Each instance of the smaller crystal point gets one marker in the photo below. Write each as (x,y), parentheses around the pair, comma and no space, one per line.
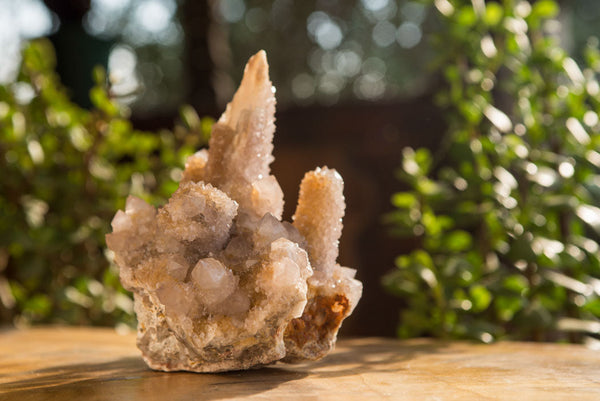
(195,165)
(219,281)
(319,214)
(333,291)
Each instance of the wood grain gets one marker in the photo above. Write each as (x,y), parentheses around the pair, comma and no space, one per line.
(99,364)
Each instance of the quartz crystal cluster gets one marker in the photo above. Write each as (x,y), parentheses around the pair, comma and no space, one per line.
(219,281)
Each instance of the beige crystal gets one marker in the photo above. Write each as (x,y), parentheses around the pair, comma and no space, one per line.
(219,281)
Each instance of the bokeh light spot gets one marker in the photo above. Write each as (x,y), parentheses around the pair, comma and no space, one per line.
(384,33)
(256,19)
(232,10)
(408,35)
(348,62)
(154,15)
(413,12)
(303,86)
(122,63)
(374,5)
(326,32)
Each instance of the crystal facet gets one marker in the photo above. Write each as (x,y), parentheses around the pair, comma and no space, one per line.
(219,281)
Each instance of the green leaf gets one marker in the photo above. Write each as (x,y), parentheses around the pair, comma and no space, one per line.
(38,305)
(493,14)
(592,306)
(480,297)
(416,163)
(507,307)
(428,187)
(190,117)
(544,9)
(100,99)
(457,241)
(206,124)
(404,200)
(466,17)
(515,283)
(99,75)
(423,258)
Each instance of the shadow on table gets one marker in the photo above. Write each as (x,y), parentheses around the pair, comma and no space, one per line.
(372,355)
(130,379)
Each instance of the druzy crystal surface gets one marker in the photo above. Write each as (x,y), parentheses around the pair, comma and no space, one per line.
(219,281)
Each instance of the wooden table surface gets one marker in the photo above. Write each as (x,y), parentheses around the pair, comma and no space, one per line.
(99,364)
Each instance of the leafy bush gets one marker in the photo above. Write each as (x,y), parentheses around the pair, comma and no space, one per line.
(505,213)
(65,171)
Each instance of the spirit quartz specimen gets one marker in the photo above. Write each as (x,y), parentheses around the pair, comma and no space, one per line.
(219,281)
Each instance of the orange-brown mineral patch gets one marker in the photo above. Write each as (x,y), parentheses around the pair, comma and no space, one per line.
(322,316)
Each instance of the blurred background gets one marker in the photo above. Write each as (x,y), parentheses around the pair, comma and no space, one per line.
(356,84)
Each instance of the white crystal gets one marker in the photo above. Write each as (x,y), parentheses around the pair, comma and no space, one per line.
(267,197)
(214,281)
(135,206)
(176,270)
(176,297)
(268,230)
(121,222)
(235,304)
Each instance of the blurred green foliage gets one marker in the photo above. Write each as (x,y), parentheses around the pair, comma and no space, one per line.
(65,171)
(506,214)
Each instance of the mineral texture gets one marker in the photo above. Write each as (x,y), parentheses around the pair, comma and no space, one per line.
(219,281)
